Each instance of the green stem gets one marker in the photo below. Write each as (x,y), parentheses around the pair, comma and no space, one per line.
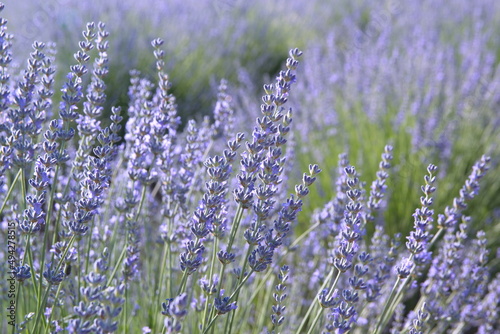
(388,307)
(243,267)
(320,312)
(183,283)
(30,261)
(56,228)
(381,322)
(267,299)
(166,254)
(235,292)
(185,275)
(124,250)
(211,272)
(51,313)
(234,227)
(19,288)
(385,315)
(302,236)
(115,269)
(47,221)
(23,188)
(169,271)
(435,238)
(159,284)
(39,311)
(10,191)
(54,187)
(49,285)
(89,245)
(254,295)
(109,199)
(79,266)
(125,309)
(313,304)
(232,235)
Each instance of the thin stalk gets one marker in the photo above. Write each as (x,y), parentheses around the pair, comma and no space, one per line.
(23,188)
(212,321)
(53,189)
(166,254)
(385,315)
(313,304)
(195,278)
(185,275)
(188,195)
(80,269)
(30,261)
(302,236)
(10,191)
(382,318)
(243,267)
(89,245)
(125,309)
(282,255)
(112,185)
(47,222)
(124,250)
(49,285)
(237,290)
(439,328)
(110,194)
(267,297)
(405,283)
(259,287)
(115,269)
(435,238)
(183,283)
(50,316)
(159,285)
(169,272)
(254,295)
(19,286)
(39,311)
(211,272)
(234,227)
(320,312)
(56,229)
(113,238)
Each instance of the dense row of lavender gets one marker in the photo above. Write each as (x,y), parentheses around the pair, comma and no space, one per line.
(193,230)
(228,34)
(423,76)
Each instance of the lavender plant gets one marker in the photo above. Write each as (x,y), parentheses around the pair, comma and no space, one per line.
(421,76)
(193,230)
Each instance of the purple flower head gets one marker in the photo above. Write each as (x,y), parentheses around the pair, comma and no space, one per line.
(53,276)
(405,268)
(223,305)
(176,307)
(22,273)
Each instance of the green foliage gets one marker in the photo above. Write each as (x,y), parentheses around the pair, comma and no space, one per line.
(364,141)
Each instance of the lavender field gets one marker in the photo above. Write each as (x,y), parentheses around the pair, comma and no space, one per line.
(250,167)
